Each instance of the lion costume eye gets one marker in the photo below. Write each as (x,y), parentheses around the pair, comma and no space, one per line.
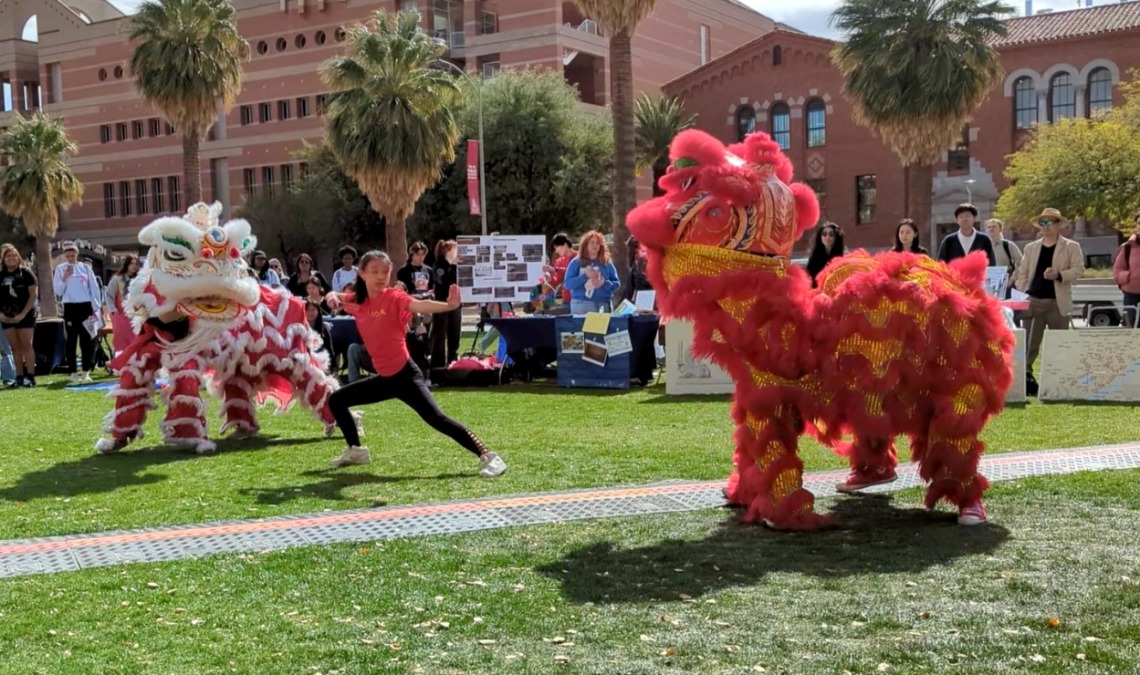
(173,256)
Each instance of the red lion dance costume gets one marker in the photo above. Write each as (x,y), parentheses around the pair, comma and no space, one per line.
(255,341)
(887,345)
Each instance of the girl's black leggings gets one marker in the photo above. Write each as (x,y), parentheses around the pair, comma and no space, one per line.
(409,386)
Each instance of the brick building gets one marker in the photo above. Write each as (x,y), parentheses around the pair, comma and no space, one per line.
(1059,64)
(130,160)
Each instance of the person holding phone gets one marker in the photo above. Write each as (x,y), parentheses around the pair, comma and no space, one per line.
(78,289)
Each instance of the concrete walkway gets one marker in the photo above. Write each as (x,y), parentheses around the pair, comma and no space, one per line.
(160,544)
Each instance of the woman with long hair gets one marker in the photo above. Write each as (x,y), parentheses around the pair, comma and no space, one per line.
(447,326)
(299,280)
(382,313)
(906,238)
(115,297)
(591,277)
(828,244)
(18,288)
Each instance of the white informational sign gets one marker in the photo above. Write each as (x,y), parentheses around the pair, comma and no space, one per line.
(1016,392)
(1090,364)
(502,268)
(685,374)
(997,279)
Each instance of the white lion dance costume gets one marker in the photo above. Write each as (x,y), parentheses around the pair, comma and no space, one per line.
(197,311)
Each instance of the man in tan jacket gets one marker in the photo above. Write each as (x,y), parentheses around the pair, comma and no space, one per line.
(1048,268)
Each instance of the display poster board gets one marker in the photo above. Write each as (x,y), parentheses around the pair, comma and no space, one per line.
(997,281)
(1016,393)
(1090,364)
(685,374)
(502,268)
(594,351)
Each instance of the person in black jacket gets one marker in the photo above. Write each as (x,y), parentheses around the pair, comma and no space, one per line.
(445,326)
(967,239)
(828,245)
(638,275)
(906,238)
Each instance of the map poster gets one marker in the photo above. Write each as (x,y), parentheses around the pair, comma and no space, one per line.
(685,374)
(1016,393)
(1090,364)
(502,268)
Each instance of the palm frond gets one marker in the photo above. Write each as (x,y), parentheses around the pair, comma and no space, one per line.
(616,15)
(658,121)
(36,179)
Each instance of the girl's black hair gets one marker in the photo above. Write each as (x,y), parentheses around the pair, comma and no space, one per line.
(915,247)
(360,289)
(259,274)
(820,255)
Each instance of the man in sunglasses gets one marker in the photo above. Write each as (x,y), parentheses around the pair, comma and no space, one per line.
(1049,266)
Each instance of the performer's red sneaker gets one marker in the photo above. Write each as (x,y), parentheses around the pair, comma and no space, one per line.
(973,514)
(858,480)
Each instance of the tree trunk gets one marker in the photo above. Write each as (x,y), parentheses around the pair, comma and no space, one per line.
(396,241)
(48,307)
(920,186)
(625,148)
(659,170)
(191,169)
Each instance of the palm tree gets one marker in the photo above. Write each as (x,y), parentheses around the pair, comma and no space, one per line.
(187,65)
(35,183)
(915,70)
(391,121)
(620,19)
(658,121)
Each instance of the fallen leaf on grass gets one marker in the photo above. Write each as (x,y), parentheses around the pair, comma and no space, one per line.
(732,649)
(884,667)
(1092,639)
(858,624)
(1054,622)
(486,643)
(558,640)
(668,651)
(1080,657)
(1037,658)
(561,658)
(646,638)
(151,584)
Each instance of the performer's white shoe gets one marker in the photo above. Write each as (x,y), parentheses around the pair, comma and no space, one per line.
(493,465)
(352,455)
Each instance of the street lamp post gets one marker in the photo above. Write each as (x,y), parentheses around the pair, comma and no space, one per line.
(969,195)
(482,164)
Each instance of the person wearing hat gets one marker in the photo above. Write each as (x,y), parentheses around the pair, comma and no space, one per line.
(1049,266)
(967,239)
(77,287)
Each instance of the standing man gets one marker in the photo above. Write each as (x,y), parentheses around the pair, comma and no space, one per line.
(78,288)
(966,239)
(1050,266)
(1005,251)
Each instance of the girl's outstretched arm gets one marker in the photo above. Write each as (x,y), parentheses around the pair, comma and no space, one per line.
(434,306)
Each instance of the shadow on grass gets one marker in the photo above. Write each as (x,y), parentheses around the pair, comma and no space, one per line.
(95,473)
(871,538)
(662,397)
(333,485)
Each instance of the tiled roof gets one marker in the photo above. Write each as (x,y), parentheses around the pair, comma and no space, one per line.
(1071,23)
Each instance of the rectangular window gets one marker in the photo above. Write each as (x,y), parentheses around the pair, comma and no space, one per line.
(287,176)
(706,47)
(816,123)
(121,131)
(488,23)
(169,129)
(109,200)
(264,112)
(156,188)
(55,83)
(246,115)
(155,127)
(303,169)
(136,129)
(491,69)
(175,194)
(267,178)
(125,197)
(141,202)
(249,180)
(322,103)
(105,133)
(302,107)
(819,187)
(865,189)
(283,110)
(958,159)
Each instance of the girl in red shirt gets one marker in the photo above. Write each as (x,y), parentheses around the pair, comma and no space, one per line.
(382,314)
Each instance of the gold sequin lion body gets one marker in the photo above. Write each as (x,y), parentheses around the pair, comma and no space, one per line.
(887,345)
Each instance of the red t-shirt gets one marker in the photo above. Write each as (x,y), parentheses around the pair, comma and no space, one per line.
(382,322)
(560,266)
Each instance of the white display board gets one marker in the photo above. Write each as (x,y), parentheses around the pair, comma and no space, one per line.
(1090,364)
(685,374)
(1016,392)
(502,268)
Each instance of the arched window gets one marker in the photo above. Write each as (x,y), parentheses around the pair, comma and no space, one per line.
(816,123)
(745,121)
(1100,91)
(782,125)
(1062,97)
(1024,102)
(777,55)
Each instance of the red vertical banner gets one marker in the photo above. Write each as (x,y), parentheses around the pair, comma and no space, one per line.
(473,178)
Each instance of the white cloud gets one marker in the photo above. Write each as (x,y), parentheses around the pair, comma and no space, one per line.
(810,16)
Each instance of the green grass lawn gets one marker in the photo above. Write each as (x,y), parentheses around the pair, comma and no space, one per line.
(51,482)
(1052,585)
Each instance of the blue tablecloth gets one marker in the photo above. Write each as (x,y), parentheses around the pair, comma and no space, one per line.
(344,333)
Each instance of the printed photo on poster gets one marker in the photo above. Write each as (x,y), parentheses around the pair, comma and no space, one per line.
(503,267)
(483,292)
(517,272)
(573,343)
(595,352)
(619,343)
(465,277)
(533,253)
(504,292)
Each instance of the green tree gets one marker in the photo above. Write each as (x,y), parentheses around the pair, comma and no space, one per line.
(35,183)
(548,162)
(187,65)
(620,19)
(914,71)
(391,121)
(659,120)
